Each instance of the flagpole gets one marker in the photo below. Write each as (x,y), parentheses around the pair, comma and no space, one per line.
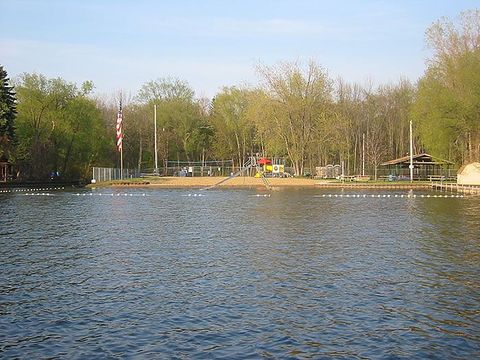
(119,128)
(411,153)
(121,163)
(155,125)
(363,154)
(121,148)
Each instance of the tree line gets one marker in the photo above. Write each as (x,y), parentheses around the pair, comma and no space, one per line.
(297,112)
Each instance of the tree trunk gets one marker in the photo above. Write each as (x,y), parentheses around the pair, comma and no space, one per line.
(185,147)
(70,146)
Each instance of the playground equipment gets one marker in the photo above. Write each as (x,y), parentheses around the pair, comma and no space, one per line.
(271,169)
(250,163)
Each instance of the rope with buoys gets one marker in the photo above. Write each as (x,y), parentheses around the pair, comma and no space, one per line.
(28,190)
(388,196)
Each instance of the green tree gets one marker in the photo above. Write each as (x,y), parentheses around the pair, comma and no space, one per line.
(59,128)
(138,133)
(234,129)
(345,135)
(41,112)
(396,103)
(299,104)
(376,114)
(84,140)
(165,89)
(181,121)
(447,110)
(381,114)
(8,113)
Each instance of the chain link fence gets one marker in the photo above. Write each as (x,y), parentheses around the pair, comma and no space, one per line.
(101,174)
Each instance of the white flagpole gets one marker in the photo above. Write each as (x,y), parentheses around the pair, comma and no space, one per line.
(363,154)
(120,135)
(121,163)
(156,152)
(121,148)
(411,153)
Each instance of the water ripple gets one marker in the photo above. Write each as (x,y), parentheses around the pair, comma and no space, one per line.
(234,275)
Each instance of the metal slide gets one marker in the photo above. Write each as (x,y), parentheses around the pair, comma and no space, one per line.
(251,162)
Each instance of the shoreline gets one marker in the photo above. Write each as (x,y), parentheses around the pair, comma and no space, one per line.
(251,182)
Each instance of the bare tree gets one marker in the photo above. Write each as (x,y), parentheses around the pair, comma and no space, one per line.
(299,99)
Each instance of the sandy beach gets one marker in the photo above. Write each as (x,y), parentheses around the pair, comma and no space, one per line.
(251,182)
(204,182)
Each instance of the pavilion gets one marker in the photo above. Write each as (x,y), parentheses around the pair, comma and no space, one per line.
(425,167)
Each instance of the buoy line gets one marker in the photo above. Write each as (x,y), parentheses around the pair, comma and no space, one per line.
(110,194)
(84,194)
(29,190)
(194,195)
(388,196)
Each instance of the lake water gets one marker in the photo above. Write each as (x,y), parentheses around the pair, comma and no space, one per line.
(142,273)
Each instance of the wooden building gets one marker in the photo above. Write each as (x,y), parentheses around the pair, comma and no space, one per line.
(425,167)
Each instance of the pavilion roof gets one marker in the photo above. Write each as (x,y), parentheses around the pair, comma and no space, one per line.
(423,159)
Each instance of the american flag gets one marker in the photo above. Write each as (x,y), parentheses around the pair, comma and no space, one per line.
(119,129)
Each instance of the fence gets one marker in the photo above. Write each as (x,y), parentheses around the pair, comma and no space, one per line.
(334,171)
(199,170)
(100,174)
(418,173)
(193,171)
(193,168)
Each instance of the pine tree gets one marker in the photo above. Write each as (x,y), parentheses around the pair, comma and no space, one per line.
(8,113)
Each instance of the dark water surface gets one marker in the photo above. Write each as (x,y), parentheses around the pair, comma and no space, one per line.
(170,274)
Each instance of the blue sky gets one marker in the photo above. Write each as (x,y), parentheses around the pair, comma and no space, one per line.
(120,45)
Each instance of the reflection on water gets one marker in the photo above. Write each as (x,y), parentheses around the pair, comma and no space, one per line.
(234,275)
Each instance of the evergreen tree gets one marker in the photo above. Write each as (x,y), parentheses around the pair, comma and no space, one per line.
(8,113)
